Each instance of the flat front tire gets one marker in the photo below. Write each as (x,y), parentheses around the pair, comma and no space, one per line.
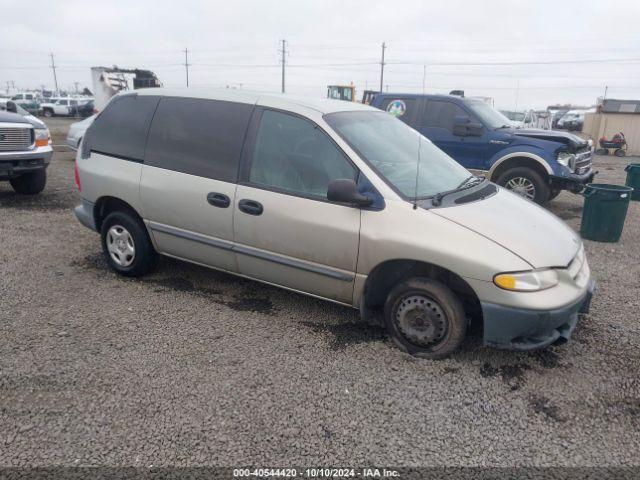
(126,244)
(30,183)
(425,318)
(527,183)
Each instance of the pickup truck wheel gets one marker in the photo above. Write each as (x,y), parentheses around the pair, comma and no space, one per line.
(425,318)
(30,183)
(126,245)
(47,112)
(526,182)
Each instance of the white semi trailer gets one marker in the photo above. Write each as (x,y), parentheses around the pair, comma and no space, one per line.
(108,81)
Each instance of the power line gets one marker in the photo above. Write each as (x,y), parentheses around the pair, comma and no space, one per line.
(549,62)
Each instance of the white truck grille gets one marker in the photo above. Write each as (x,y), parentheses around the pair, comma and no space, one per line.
(15,138)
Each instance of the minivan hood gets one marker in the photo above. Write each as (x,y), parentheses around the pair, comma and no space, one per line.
(522,227)
(574,142)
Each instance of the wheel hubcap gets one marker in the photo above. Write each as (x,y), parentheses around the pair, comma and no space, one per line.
(522,186)
(421,320)
(120,246)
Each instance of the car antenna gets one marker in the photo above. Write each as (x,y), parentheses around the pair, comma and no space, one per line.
(415,196)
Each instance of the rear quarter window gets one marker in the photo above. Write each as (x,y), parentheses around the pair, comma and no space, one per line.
(406,109)
(121,129)
(198,137)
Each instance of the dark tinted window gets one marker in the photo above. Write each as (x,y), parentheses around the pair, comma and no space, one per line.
(121,129)
(440,114)
(293,154)
(403,108)
(199,137)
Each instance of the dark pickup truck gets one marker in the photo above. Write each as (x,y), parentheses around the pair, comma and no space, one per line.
(537,164)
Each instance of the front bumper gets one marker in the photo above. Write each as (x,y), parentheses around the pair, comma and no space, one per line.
(523,329)
(72,143)
(16,163)
(573,182)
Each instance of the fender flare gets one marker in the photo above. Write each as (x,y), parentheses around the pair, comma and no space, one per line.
(537,158)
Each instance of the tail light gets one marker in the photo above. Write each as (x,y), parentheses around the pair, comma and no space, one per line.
(76,175)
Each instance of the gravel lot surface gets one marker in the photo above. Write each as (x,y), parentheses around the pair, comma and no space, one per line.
(191,367)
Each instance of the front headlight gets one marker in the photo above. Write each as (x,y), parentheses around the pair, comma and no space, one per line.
(42,137)
(530,281)
(567,159)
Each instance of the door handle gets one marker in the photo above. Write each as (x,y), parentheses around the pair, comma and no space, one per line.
(250,206)
(218,200)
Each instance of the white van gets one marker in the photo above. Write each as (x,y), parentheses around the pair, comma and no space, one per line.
(333,199)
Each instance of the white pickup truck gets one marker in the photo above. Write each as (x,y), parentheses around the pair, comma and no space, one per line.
(62,106)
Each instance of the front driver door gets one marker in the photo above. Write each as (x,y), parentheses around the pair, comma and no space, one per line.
(437,122)
(286,231)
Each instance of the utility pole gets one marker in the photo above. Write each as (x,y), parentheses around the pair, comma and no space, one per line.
(186,64)
(75,84)
(424,77)
(606,87)
(55,77)
(283,52)
(517,94)
(384,46)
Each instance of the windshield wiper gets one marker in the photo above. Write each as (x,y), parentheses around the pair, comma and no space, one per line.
(464,185)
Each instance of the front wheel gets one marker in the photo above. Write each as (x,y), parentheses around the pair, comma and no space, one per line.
(425,318)
(126,245)
(525,182)
(30,183)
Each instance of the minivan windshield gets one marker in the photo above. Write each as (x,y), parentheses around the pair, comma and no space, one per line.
(490,116)
(391,147)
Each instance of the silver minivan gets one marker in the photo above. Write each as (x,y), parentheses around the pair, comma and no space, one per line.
(332,199)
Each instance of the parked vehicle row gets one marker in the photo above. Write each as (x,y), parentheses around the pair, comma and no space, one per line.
(67,107)
(537,164)
(573,120)
(337,200)
(55,106)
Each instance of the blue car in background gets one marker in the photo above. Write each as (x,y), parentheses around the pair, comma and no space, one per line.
(537,164)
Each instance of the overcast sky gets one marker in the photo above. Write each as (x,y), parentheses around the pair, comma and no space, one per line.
(458,44)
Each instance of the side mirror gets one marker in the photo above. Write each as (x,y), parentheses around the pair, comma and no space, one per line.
(345,190)
(474,129)
(464,127)
(11,107)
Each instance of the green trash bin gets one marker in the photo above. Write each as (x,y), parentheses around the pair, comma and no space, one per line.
(605,208)
(633,179)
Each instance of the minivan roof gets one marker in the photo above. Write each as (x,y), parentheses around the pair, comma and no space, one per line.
(275,100)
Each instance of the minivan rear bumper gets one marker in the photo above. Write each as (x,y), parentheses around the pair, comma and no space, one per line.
(522,329)
(84,214)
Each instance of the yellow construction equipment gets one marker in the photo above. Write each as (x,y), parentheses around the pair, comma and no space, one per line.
(342,92)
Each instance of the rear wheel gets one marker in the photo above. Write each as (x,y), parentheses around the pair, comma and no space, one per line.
(47,112)
(30,183)
(525,182)
(126,244)
(425,318)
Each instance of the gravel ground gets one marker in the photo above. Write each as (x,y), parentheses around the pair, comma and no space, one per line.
(192,367)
